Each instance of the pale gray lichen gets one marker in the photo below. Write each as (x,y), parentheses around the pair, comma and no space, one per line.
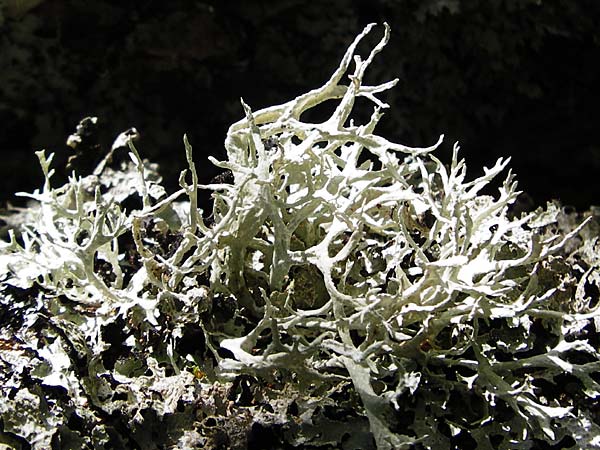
(342,272)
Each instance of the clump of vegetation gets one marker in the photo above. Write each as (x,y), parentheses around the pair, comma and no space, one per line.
(345,292)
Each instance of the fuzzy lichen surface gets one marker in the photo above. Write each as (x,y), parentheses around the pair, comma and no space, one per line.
(337,268)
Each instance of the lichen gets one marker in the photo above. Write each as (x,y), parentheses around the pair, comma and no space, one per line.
(343,282)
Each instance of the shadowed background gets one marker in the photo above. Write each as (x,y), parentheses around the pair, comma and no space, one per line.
(512,78)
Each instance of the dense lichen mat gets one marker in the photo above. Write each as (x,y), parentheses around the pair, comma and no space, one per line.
(344,292)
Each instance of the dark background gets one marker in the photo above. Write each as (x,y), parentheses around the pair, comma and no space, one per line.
(517,78)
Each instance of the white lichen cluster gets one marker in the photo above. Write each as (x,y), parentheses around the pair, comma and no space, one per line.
(336,260)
